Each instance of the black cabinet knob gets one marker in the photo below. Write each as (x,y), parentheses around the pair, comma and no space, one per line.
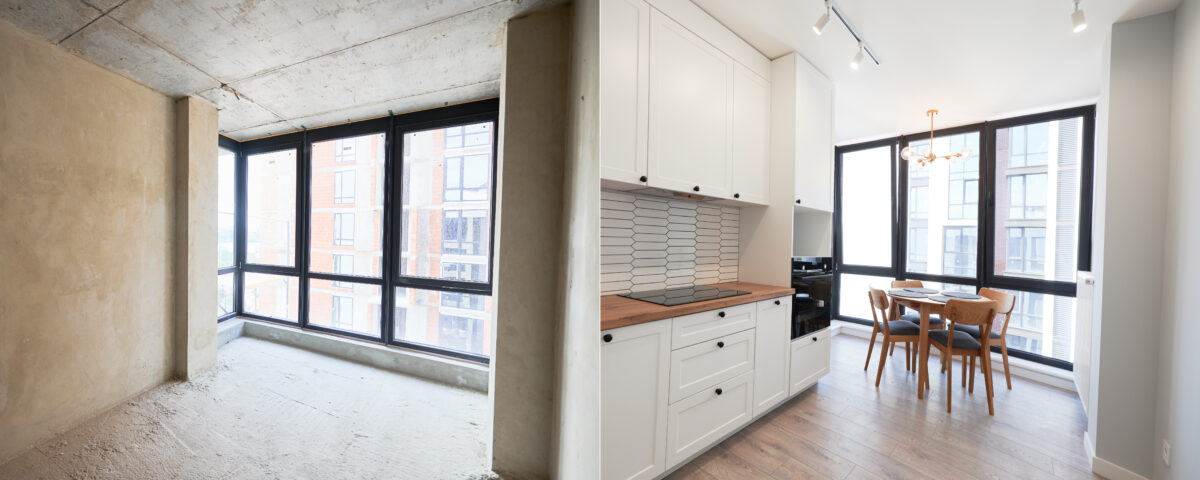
(777,302)
(814,339)
(696,188)
(721,314)
(607,337)
(797,202)
(720,344)
(737,195)
(719,391)
(642,179)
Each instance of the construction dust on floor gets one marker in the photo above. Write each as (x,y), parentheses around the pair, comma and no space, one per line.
(272,411)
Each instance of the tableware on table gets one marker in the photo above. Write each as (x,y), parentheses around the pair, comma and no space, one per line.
(900,292)
(921,290)
(962,295)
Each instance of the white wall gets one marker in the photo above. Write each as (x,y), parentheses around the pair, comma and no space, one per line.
(1132,161)
(1177,418)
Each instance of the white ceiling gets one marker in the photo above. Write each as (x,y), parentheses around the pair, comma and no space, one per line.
(274,66)
(972,59)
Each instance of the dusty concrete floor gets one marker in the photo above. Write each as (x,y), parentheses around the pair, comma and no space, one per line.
(272,411)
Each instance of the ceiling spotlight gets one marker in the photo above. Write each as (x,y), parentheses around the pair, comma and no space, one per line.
(857,57)
(820,25)
(1077,19)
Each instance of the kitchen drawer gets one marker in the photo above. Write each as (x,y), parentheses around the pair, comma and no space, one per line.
(698,421)
(704,365)
(695,328)
(810,360)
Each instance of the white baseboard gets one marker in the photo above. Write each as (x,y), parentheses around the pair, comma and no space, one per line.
(1112,471)
(1034,372)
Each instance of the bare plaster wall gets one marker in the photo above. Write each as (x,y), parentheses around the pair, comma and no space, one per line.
(86,199)
(533,118)
(195,338)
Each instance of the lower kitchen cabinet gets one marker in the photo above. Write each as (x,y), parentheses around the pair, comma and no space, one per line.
(698,421)
(634,373)
(810,360)
(772,348)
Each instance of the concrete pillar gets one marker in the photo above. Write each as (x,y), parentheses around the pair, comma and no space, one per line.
(195,225)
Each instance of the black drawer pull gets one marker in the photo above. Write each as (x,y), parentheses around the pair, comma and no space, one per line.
(777,302)
(720,344)
(814,339)
(607,337)
(721,314)
(642,179)
(696,188)
(737,195)
(718,391)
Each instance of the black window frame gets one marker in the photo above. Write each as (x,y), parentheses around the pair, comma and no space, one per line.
(390,278)
(986,230)
(239,213)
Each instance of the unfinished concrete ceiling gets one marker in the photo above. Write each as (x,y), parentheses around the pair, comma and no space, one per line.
(273,66)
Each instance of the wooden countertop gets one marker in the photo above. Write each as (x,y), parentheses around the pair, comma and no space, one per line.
(617,311)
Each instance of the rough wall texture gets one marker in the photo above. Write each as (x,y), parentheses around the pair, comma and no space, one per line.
(533,115)
(195,337)
(86,199)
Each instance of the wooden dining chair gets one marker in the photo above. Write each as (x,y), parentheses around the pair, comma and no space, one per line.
(894,331)
(1004,306)
(954,342)
(914,317)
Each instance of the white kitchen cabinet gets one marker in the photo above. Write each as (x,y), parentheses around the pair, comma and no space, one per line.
(810,360)
(751,169)
(814,137)
(634,373)
(772,349)
(708,325)
(698,421)
(624,81)
(700,366)
(691,108)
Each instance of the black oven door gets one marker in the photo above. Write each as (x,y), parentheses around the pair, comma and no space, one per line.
(811,304)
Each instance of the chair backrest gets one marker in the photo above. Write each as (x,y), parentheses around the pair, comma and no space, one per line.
(1004,304)
(879,309)
(971,312)
(907,284)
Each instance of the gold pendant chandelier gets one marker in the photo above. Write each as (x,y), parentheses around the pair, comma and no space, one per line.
(927,158)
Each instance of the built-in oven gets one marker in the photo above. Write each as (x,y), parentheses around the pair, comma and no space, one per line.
(812,280)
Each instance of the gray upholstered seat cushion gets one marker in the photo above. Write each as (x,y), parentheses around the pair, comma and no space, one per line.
(962,340)
(903,327)
(916,318)
(973,330)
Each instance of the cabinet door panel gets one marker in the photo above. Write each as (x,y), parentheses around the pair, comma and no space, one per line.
(624,87)
(634,371)
(751,167)
(814,138)
(772,348)
(810,360)
(706,364)
(700,420)
(708,325)
(691,103)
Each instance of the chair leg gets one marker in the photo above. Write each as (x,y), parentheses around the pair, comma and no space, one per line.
(883,354)
(870,349)
(949,378)
(964,369)
(971,389)
(907,358)
(892,350)
(1004,354)
(987,381)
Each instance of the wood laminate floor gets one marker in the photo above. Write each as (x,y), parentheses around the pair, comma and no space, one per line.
(845,428)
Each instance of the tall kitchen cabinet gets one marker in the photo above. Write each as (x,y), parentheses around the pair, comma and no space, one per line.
(684,103)
(804,112)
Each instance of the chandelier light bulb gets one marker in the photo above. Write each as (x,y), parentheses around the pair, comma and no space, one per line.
(1077,19)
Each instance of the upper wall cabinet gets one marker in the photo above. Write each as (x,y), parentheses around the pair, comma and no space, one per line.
(814,138)
(624,80)
(691,111)
(684,103)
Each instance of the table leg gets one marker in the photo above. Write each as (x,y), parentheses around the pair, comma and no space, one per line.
(923,347)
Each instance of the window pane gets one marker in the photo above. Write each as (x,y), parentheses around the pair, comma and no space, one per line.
(447,211)
(224,294)
(274,296)
(353,307)
(347,206)
(271,208)
(454,321)
(948,210)
(866,207)
(226,208)
(1037,201)
(1043,324)
(852,298)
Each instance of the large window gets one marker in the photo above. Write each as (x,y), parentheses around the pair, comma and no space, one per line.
(1012,214)
(226,228)
(345,223)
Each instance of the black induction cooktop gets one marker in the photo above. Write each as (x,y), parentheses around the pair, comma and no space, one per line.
(682,295)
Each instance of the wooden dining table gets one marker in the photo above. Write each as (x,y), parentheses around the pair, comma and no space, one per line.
(926,307)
